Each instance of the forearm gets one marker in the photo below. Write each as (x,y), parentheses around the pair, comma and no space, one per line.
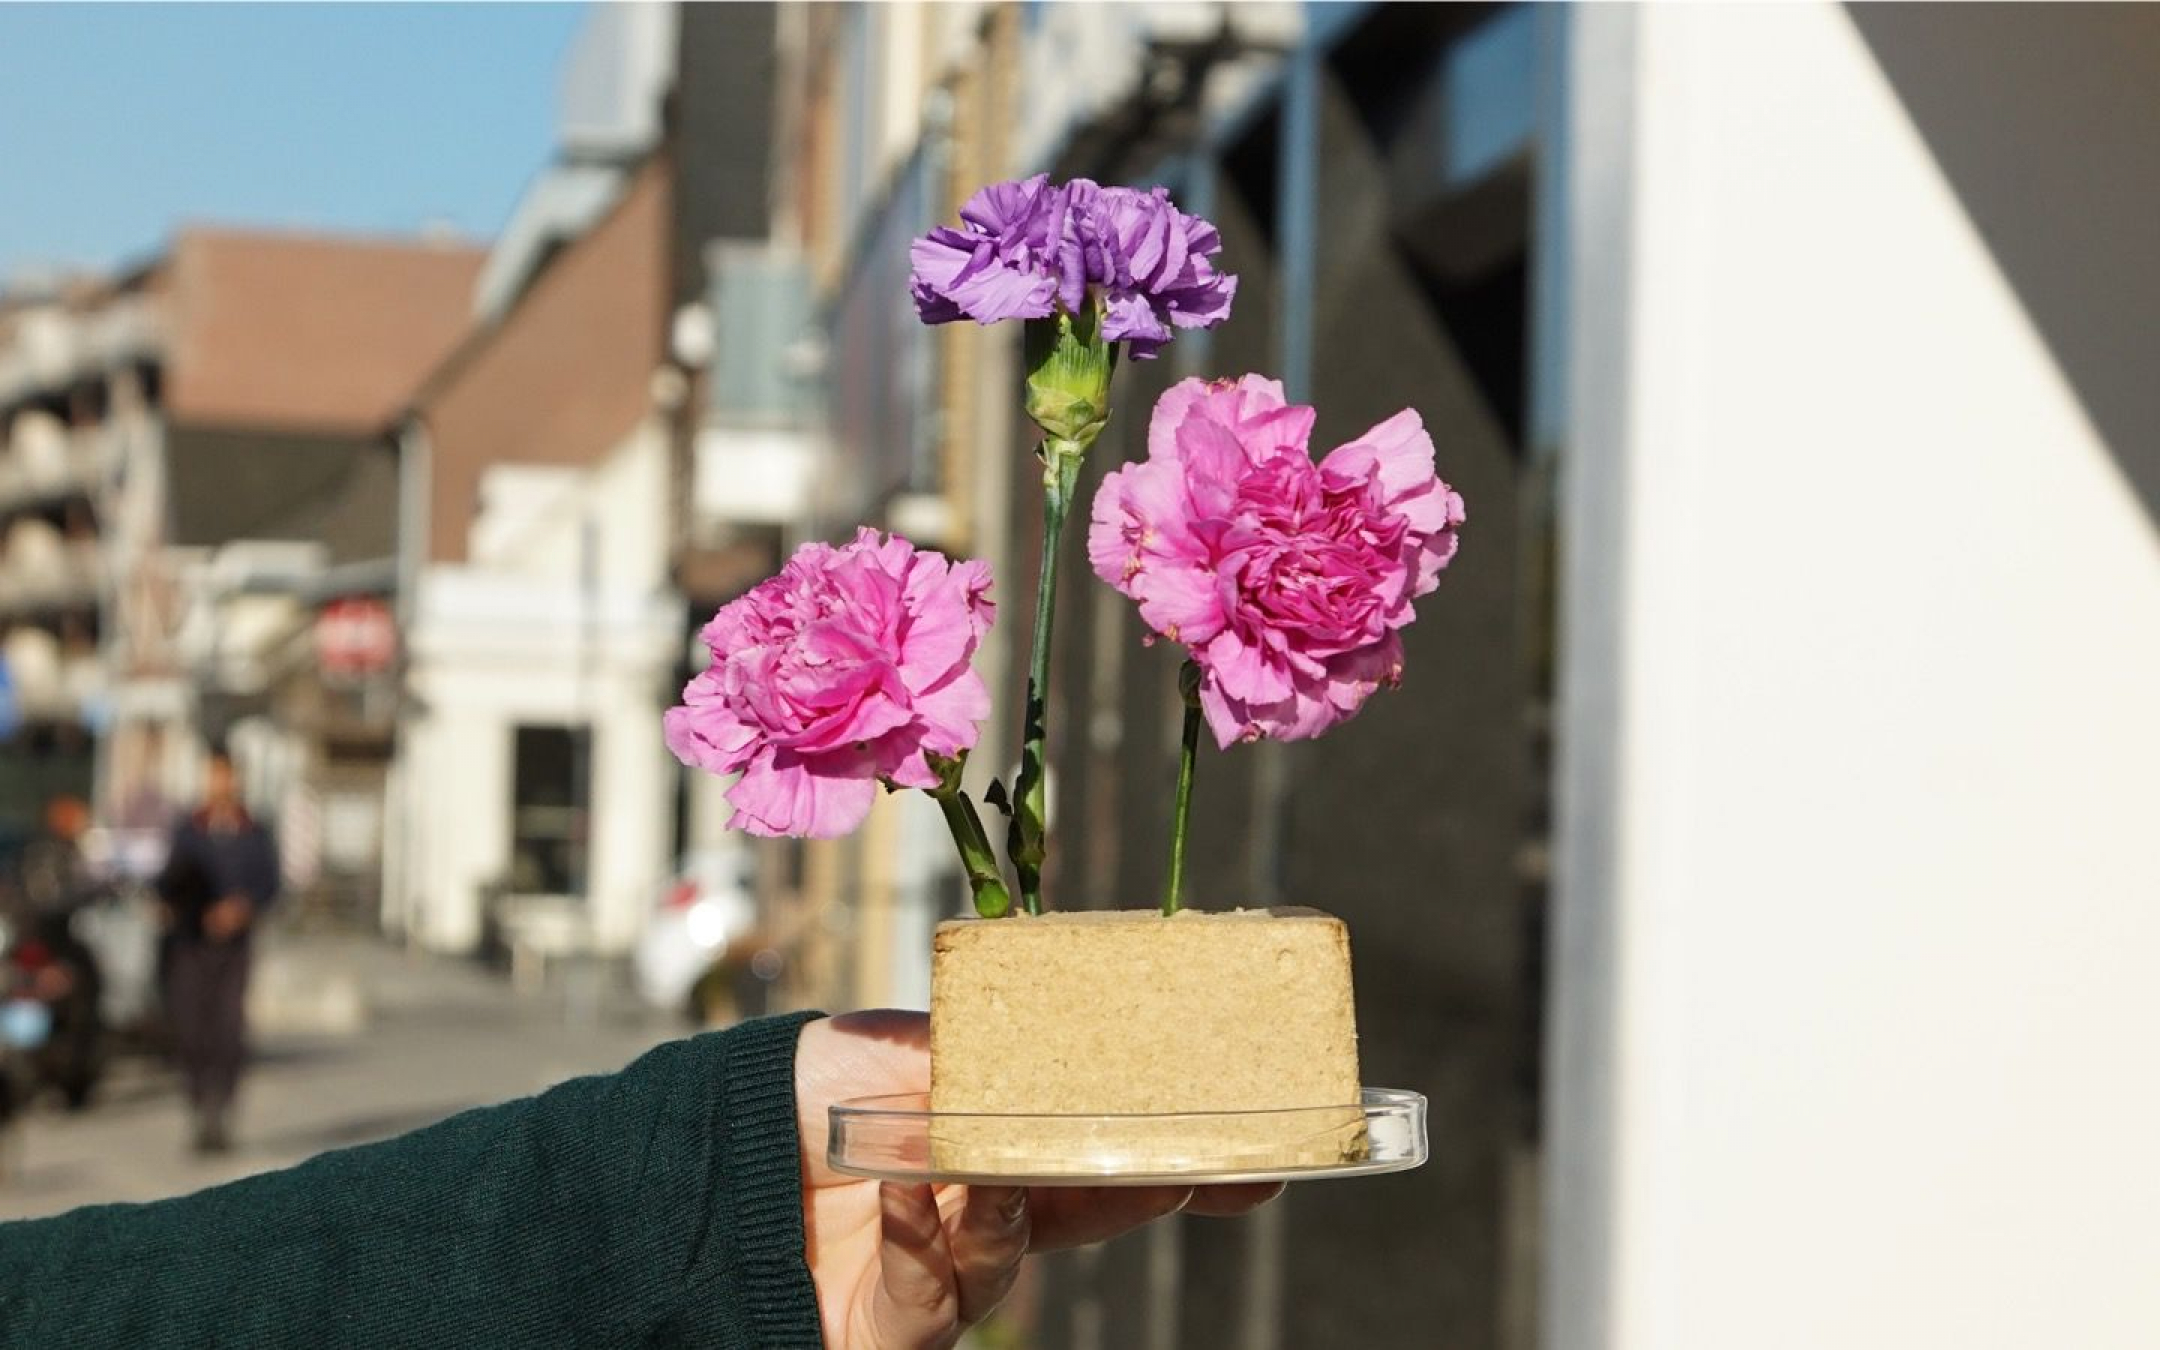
(609,1210)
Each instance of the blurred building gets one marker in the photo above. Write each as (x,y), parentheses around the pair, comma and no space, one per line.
(285,358)
(539,623)
(205,496)
(531,798)
(75,363)
(620,447)
(908,425)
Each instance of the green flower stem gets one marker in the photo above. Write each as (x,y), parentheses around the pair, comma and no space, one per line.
(992,900)
(1067,394)
(1027,839)
(1188,751)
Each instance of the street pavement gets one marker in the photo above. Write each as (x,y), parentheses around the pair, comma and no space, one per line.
(354,1041)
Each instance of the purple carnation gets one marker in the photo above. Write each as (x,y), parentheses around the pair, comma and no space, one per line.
(1151,260)
(1024,250)
(1000,264)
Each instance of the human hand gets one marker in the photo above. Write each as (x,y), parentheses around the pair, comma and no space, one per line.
(228,917)
(903,1267)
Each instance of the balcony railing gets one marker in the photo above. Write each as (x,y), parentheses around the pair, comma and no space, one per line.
(758,448)
(43,462)
(51,347)
(765,346)
(753,476)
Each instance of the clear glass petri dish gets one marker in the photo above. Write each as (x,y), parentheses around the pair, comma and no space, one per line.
(899,1138)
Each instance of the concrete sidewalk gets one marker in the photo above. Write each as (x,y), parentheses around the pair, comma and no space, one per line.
(354,1041)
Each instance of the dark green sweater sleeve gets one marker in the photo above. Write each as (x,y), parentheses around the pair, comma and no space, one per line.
(657,1206)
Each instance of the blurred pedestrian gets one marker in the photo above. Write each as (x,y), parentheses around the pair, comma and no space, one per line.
(220,878)
(54,876)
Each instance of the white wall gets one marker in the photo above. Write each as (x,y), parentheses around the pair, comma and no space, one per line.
(533,517)
(1857,928)
(514,638)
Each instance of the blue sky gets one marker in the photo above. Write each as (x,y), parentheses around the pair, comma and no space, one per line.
(118,122)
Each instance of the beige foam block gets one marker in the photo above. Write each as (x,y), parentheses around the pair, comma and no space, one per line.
(1129,1012)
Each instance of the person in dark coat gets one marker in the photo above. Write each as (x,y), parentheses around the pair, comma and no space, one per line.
(220,878)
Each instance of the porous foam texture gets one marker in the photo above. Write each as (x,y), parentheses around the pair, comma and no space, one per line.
(1127,1012)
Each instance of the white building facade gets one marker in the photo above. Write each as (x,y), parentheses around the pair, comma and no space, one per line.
(1856,907)
(554,645)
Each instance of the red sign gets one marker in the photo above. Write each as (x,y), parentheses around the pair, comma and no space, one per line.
(355,636)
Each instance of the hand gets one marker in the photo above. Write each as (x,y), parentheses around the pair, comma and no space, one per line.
(910,1267)
(228,918)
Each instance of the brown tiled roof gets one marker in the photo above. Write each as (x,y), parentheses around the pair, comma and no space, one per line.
(566,374)
(302,333)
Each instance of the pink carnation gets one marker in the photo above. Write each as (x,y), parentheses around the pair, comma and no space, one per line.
(845,669)
(1287,580)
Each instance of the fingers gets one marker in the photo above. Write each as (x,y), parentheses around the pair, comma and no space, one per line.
(987,1243)
(915,1306)
(1223,1202)
(1080,1215)
(1077,1216)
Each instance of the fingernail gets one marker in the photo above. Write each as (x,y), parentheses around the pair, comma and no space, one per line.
(1013,1206)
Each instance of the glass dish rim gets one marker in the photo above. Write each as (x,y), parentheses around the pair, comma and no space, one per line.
(1371,1100)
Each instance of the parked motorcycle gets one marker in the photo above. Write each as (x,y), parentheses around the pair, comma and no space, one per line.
(51,1015)
(25,1026)
(52,1024)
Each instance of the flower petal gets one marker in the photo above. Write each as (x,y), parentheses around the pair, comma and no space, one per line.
(1243,669)
(1287,580)
(1397,452)
(783,794)
(835,673)
(946,617)
(1026,249)
(1183,604)
(707,737)
(949,715)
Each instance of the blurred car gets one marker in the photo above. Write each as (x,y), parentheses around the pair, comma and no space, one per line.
(703,923)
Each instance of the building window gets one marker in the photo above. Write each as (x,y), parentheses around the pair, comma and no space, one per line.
(550,793)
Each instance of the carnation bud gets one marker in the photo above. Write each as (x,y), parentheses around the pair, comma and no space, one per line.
(1069,364)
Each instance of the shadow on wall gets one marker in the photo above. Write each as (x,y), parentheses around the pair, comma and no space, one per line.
(2045,121)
